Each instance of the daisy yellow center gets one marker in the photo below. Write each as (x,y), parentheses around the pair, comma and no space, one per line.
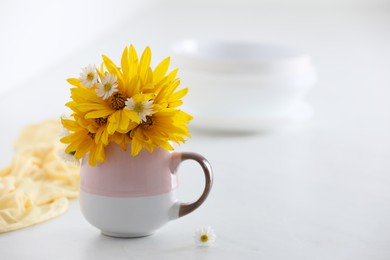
(107,86)
(139,107)
(90,76)
(118,101)
(204,238)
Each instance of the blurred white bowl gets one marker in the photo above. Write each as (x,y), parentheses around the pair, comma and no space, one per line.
(243,86)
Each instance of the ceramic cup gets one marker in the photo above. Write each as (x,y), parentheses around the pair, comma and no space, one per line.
(130,196)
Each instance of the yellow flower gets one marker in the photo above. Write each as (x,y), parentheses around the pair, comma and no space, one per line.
(127,104)
(166,96)
(82,140)
(158,129)
(86,101)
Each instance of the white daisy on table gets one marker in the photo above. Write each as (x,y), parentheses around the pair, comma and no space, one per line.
(205,236)
(142,108)
(88,76)
(107,87)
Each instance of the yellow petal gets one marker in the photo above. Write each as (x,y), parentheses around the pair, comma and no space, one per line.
(133,56)
(144,65)
(136,147)
(113,122)
(173,86)
(125,63)
(92,157)
(179,94)
(75,82)
(72,147)
(113,69)
(121,139)
(104,137)
(167,79)
(101,135)
(71,125)
(72,137)
(133,116)
(133,66)
(100,154)
(175,104)
(147,79)
(166,145)
(92,106)
(172,75)
(101,70)
(84,95)
(123,121)
(143,97)
(133,87)
(161,69)
(83,148)
(99,113)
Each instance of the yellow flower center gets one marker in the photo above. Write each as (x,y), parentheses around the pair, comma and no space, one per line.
(90,76)
(148,122)
(118,101)
(204,238)
(101,121)
(92,135)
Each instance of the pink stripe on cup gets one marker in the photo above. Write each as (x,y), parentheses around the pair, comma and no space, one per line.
(123,175)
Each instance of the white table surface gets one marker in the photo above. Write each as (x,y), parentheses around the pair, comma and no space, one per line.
(318,191)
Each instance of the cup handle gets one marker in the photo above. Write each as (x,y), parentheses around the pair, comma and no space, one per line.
(186,208)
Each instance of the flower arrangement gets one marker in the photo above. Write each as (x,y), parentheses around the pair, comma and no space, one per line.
(131,104)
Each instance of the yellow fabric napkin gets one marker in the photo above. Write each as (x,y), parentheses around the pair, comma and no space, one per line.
(37,184)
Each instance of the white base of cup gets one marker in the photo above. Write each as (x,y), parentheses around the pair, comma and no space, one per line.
(128,216)
(126,235)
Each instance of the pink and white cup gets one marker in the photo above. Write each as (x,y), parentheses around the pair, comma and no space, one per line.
(130,196)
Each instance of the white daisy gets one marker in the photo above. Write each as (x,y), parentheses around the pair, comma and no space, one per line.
(68,157)
(143,109)
(88,76)
(205,236)
(107,87)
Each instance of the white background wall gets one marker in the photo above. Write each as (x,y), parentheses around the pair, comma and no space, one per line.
(37,35)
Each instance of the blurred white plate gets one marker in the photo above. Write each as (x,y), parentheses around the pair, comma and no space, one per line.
(226,124)
(219,56)
(244,86)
